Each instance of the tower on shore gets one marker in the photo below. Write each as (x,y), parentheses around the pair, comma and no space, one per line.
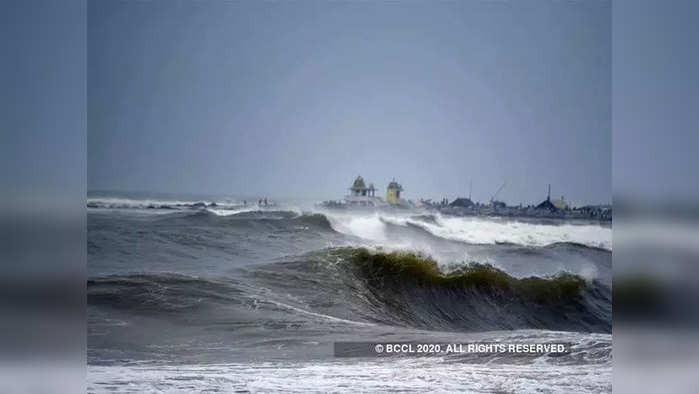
(393,192)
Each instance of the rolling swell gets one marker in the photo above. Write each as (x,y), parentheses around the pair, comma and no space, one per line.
(314,221)
(251,218)
(159,293)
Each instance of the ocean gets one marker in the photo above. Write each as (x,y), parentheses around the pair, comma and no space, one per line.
(214,294)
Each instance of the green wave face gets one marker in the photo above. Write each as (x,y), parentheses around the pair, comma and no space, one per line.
(411,268)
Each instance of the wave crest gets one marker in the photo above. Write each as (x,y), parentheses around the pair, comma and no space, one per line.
(408,267)
(475,231)
(409,289)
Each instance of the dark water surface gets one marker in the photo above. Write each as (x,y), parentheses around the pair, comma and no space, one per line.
(241,297)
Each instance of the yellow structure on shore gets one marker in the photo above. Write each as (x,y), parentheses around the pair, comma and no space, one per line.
(393,192)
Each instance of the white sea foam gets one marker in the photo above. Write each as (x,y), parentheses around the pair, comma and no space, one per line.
(369,227)
(231,211)
(484,231)
(404,375)
(473,230)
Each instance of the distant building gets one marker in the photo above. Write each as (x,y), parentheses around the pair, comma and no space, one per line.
(547,205)
(393,192)
(602,212)
(560,204)
(495,204)
(462,202)
(362,195)
(359,188)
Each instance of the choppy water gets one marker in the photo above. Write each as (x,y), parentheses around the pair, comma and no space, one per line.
(192,295)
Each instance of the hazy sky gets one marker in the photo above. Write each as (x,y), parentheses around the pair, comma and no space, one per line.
(297,99)
(655,102)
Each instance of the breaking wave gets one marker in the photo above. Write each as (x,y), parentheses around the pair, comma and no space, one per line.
(354,285)
(412,290)
(475,230)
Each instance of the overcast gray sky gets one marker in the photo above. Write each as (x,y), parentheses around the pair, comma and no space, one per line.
(297,99)
(656,96)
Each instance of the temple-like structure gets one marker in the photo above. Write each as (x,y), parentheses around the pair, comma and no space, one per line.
(363,195)
(360,196)
(359,188)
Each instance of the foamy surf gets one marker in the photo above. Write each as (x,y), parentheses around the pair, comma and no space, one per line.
(400,375)
(472,230)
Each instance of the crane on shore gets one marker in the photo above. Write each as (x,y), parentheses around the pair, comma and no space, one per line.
(492,198)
